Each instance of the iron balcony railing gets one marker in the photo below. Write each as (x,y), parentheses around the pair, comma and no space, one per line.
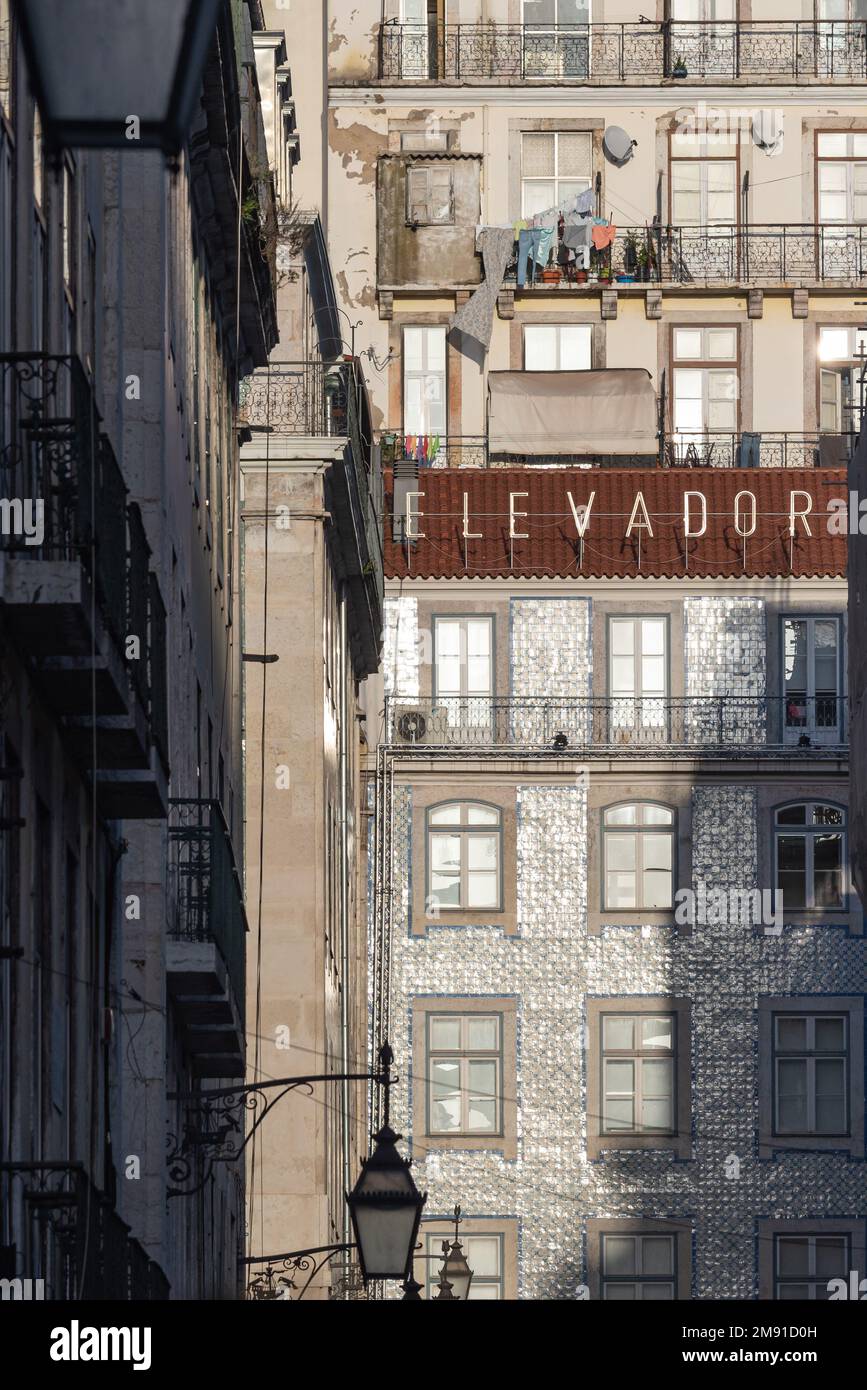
(636,53)
(704,725)
(730,254)
(58,1228)
(704,449)
(205,897)
(330,401)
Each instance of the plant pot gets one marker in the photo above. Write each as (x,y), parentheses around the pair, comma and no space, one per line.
(679,72)
(551,276)
(580,277)
(625,279)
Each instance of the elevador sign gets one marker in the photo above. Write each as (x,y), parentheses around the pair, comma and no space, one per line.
(613,521)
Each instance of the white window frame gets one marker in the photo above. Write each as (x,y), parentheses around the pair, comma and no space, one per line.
(640,1281)
(556,179)
(638,831)
(709,368)
(813,1281)
(837,368)
(637,1055)
(533,333)
(704,166)
(433,379)
(809,1056)
(465,1055)
(433,1263)
(808,831)
(430,169)
(817,732)
(463,830)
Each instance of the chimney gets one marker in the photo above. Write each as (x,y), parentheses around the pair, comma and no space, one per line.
(405,480)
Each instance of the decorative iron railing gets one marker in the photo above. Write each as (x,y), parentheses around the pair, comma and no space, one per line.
(703,725)
(636,53)
(451,451)
(64,1239)
(715,449)
(763,253)
(204,895)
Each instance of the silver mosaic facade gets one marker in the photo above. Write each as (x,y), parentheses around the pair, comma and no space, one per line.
(550,655)
(552,966)
(724,651)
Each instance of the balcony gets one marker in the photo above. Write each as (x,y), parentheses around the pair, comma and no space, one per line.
(643,53)
(206,948)
(59,1228)
(763,254)
(72,581)
(712,726)
(319,400)
(714,449)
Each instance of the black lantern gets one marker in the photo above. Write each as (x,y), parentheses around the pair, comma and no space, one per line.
(123,75)
(385,1206)
(456,1272)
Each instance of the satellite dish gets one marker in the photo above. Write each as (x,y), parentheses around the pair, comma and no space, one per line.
(768,131)
(617,145)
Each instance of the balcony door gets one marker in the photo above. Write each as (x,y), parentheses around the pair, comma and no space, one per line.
(424,390)
(705,395)
(811,674)
(464,672)
(842,358)
(417,39)
(841,45)
(703,211)
(703,37)
(638,679)
(556,38)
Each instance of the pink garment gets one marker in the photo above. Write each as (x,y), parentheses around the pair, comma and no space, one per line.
(603,236)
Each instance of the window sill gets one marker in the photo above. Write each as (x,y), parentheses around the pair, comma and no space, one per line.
(772,1144)
(506,1144)
(629,920)
(458,919)
(600,1144)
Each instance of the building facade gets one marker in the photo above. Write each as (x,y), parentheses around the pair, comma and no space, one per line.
(616,665)
(312,567)
(133,300)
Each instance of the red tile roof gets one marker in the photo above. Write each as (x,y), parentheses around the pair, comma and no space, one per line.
(553,549)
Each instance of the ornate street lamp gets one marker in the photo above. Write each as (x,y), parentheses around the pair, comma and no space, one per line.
(123,75)
(385,1205)
(456,1273)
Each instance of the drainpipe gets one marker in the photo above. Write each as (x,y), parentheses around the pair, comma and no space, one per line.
(344,920)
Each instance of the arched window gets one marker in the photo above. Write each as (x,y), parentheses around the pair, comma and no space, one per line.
(638,855)
(464,856)
(809,853)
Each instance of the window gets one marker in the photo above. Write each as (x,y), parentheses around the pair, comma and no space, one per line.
(424,380)
(485,1256)
(637,676)
(638,857)
(638,1268)
(464,1057)
(430,200)
(842,176)
(638,1074)
(841,351)
(556,39)
(811,1058)
(557,347)
(810,1074)
(5,57)
(811,671)
(554,167)
(463,853)
(464,1073)
(425,138)
(638,1261)
(463,668)
(702,35)
(417,40)
(638,1055)
(804,1264)
(704,192)
(705,371)
(809,841)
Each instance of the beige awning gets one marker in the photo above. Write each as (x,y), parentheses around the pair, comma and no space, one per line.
(550,413)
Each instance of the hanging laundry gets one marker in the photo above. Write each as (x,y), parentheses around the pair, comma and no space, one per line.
(577,234)
(434,448)
(519,226)
(603,234)
(584,202)
(543,249)
(476,317)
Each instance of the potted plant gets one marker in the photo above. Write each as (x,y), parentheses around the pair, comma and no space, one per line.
(643,263)
(630,253)
(580,277)
(679,66)
(551,275)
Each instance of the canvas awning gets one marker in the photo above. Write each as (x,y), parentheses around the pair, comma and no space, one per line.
(551,413)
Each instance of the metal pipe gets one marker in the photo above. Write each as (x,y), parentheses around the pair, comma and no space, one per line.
(344,918)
